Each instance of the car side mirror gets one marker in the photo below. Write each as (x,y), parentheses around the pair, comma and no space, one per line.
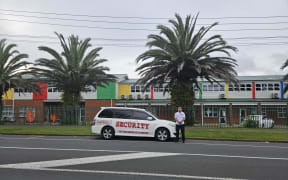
(150,118)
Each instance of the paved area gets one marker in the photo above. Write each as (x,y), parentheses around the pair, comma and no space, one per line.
(31,157)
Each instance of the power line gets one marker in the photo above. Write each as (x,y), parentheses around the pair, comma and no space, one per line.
(139,17)
(132,39)
(137,45)
(137,29)
(137,23)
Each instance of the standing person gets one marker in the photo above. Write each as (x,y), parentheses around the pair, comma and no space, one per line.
(180,117)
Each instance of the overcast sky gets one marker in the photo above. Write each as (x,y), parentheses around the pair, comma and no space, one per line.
(253,58)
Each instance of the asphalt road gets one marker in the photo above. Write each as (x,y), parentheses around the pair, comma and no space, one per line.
(72,157)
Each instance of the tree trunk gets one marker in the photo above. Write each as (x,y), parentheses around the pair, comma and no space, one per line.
(1,105)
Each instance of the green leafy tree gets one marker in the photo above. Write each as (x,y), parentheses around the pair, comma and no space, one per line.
(73,69)
(12,69)
(180,55)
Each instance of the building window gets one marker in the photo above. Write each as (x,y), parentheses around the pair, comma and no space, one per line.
(161,89)
(7,111)
(258,87)
(132,88)
(264,111)
(276,87)
(137,88)
(210,87)
(264,87)
(142,89)
(231,88)
(21,90)
(282,112)
(22,110)
(210,112)
(82,114)
(242,87)
(248,87)
(204,87)
(216,87)
(156,89)
(148,89)
(236,87)
(222,88)
(270,87)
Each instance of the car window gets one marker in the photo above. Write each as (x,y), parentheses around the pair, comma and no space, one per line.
(122,114)
(106,113)
(141,115)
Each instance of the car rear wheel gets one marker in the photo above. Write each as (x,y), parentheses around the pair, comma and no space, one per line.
(107,133)
(162,134)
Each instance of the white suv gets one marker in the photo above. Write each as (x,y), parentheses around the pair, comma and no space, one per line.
(263,121)
(122,121)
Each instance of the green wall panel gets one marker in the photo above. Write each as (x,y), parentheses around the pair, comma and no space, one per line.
(107,92)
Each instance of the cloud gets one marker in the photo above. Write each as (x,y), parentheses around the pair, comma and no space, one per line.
(261,64)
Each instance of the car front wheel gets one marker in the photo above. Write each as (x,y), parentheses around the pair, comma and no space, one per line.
(107,133)
(162,134)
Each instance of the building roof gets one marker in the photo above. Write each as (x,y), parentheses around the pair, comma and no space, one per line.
(128,81)
(167,101)
(240,78)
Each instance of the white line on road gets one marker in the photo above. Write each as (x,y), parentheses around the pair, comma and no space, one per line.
(187,154)
(137,174)
(60,149)
(86,160)
(77,139)
(238,145)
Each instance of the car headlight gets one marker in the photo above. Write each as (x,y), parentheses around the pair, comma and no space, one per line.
(172,124)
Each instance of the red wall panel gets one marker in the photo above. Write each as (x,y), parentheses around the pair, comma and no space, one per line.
(253,90)
(43,95)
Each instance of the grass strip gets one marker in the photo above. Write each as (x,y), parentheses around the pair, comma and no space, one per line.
(262,136)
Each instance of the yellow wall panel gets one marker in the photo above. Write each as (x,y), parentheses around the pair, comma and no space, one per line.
(226,90)
(123,89)
(8,94)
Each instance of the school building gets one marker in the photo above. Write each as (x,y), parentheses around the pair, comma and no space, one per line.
(217,103)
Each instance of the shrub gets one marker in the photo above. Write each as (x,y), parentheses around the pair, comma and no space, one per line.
(249,123)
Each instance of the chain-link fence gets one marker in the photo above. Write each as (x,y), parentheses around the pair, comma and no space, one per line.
(226,116)
(50,115)
(259,116)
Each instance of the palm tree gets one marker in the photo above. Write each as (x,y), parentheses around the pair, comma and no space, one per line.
(74,68)
(286,76)
(12,69)
(180,55)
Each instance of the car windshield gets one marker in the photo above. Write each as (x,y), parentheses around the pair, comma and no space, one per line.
(154,116)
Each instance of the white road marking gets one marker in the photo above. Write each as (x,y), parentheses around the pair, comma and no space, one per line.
(208,144)
(241,157)
(86,160)
(60,149)
(239,145)
(136,174)
(187,154)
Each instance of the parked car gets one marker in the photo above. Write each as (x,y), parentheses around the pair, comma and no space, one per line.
(122,121)
(263,121)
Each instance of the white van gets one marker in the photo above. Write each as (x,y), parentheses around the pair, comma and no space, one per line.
(122,121)
(263,121)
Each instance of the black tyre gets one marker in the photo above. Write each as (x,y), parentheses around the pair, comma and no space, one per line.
(107,133)
(162,134)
